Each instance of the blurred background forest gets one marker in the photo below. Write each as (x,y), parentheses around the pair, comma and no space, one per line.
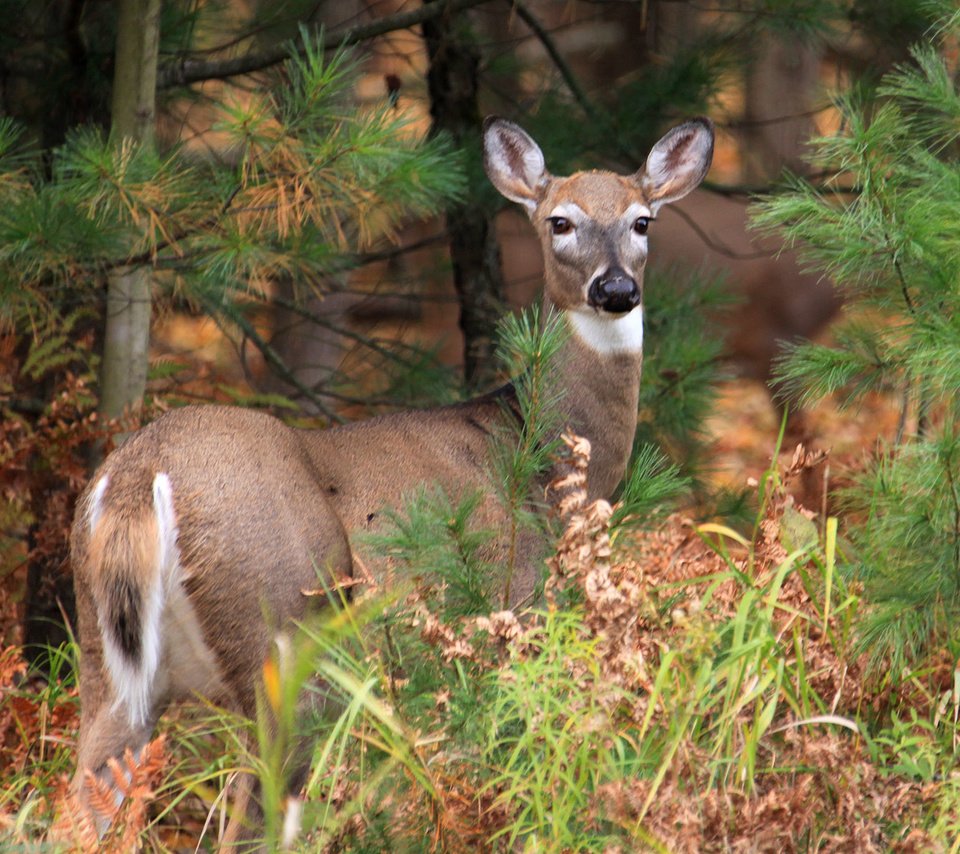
(282,205)
(341,305)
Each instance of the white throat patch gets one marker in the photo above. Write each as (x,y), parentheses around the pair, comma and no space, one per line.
(608,335)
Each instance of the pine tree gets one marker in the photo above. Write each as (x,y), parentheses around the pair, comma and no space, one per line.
(312,180)
(886,227)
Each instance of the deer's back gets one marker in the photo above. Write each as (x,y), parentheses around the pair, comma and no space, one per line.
(367,466)
(251,492)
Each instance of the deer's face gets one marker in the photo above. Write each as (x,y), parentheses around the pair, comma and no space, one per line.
(593,232)
(593,225)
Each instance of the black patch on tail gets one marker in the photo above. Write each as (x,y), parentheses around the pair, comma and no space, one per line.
(123,618)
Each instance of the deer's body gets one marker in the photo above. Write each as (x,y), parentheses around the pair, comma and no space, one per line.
(195,540)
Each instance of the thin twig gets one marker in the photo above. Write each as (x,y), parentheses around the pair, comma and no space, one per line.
(272,358)
(904,410)
(719,248)
(313,317)
(525,15)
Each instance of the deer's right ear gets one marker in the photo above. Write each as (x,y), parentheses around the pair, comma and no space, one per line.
(513,162)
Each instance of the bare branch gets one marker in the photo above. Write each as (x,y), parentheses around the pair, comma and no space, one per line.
(566,73)
(366,341)
(270,355)
(185,71)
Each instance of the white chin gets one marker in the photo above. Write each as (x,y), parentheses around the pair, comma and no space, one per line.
(605,332)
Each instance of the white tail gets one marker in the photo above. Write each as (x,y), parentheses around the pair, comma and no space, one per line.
(130,618)
(194,543)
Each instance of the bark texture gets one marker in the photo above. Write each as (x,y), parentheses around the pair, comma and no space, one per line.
(452,83)
(123,375)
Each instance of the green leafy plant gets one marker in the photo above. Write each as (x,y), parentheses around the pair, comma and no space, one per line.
(553,739)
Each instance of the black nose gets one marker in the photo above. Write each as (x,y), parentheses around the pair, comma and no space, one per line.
(614,291)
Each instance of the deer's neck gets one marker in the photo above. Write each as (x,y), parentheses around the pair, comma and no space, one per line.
(598,377)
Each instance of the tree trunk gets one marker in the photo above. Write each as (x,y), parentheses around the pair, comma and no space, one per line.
(123,374)
(474,254)
(123,371)
(780,92)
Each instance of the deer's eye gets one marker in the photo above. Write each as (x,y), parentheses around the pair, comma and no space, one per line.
(560,225)
(641,224)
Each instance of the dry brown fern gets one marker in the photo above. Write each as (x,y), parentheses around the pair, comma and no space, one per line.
(613,593)
(96,819)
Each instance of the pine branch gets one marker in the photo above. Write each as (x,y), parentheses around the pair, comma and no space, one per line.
(186,71)
(347,261)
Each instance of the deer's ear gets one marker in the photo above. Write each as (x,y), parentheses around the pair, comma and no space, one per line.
(513,162)
(677,163)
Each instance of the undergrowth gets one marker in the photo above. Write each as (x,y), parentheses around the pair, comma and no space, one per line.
(689,688)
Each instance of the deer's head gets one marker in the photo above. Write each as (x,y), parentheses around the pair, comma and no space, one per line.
(593,225)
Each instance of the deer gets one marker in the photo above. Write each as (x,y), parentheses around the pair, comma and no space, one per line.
(196,539)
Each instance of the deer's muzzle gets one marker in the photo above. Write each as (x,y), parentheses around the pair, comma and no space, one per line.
(615,291)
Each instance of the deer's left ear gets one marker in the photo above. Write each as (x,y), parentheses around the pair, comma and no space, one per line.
(677,163)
